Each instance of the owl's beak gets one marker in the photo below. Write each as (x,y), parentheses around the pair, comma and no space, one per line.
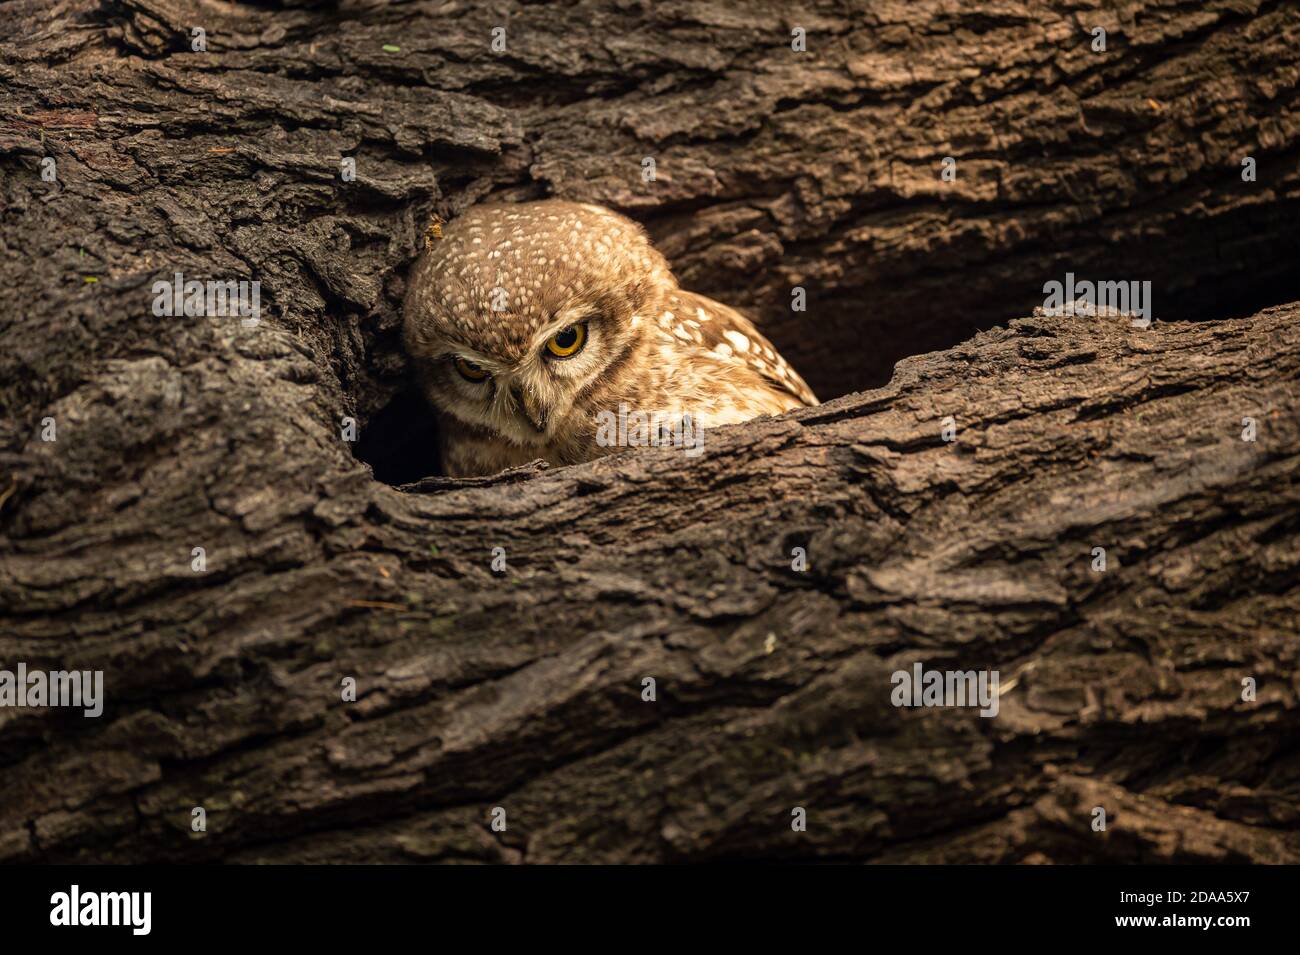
(530,408)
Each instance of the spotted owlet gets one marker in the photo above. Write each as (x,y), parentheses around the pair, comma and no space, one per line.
(527,321)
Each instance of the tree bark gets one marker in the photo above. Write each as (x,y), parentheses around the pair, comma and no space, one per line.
(1122,688)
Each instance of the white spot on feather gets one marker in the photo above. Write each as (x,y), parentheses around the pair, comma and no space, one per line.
(738,341)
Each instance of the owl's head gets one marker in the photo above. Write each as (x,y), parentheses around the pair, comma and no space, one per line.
(520,310)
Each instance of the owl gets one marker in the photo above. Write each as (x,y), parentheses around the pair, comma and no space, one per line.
(526,322)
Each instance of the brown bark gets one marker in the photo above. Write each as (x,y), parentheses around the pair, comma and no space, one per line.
(523,690)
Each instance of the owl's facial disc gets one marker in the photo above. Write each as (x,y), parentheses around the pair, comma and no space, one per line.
(530,400)
(523,313)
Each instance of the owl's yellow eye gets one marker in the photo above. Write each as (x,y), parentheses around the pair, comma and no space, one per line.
(470,371)
(567,341)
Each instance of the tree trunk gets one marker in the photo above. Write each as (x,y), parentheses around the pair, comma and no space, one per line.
(1125,688)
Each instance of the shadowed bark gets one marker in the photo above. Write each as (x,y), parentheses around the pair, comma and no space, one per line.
(1122,689)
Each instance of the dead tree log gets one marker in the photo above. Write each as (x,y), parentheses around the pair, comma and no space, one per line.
(1123,689)
(523,690)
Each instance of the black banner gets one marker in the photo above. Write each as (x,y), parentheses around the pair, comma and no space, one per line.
(332,904)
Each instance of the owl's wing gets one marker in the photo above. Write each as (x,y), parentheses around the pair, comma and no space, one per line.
(724,331)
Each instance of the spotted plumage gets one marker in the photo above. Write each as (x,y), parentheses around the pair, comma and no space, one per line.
(526,321)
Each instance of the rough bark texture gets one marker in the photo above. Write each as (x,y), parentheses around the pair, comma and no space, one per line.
(523,690)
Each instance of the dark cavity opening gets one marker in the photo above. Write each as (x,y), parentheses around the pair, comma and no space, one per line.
(400,440)
(853,332)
